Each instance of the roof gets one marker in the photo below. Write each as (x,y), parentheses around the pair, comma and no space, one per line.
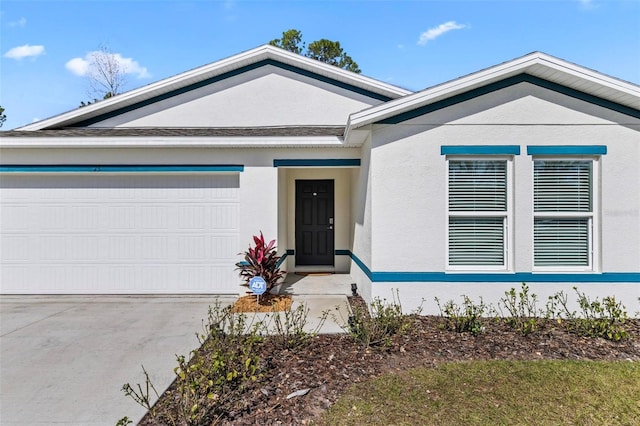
(536,67)
(202,75)
(90,132)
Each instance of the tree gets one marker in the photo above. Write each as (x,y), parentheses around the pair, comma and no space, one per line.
(106,75)
(327,51)
(3,116)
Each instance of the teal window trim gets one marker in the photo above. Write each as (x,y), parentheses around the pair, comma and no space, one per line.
(39,168)
(480,150)
(566,149)
(330,162)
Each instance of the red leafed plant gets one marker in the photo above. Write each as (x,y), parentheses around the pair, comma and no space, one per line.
(261,260)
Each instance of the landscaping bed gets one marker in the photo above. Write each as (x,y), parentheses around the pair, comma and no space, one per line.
(296,385)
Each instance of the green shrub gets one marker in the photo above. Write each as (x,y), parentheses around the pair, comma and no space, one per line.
(522,312)
(463,318)
(595,318)
(376,328)
(287,328)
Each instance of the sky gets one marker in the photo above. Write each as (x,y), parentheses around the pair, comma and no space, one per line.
(45,45)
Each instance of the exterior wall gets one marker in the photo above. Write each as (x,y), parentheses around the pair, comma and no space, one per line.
(409,180)
(264,189)
(342,211)
(362,235)
(267,96)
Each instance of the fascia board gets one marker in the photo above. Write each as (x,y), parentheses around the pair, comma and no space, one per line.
(211,70)
(481,78)
(173,142)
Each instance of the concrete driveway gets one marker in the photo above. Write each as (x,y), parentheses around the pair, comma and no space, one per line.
(64,359)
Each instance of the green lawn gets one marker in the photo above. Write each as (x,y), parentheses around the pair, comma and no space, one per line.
(497,393)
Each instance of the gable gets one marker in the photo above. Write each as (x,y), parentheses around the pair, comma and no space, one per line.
(269,94)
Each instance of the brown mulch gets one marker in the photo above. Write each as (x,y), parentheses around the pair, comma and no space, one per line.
(265,303)
(329,364)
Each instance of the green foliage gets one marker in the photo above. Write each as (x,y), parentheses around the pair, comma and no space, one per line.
(463,318)
(522,310)
(124,421)
(595,318)
(261,261)
(288,327)
(3,116)
(141,396)
(376,328)
(327,51)
(218,371)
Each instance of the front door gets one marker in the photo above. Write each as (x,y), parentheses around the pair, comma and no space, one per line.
(314,222)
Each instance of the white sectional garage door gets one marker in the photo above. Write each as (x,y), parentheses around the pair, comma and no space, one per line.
(119,234)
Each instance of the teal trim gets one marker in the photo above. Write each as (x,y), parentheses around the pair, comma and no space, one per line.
(282,259)
(335,162)
(361,265)
(408,277)
(480,150)
(605,277)
(566,149)
(230,74)
(32,168)
(498,85)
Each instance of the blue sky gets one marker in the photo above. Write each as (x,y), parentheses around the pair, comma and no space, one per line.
(412,44)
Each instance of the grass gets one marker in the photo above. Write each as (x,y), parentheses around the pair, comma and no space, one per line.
(497,393)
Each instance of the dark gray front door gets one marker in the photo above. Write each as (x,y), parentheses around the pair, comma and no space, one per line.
(314,222)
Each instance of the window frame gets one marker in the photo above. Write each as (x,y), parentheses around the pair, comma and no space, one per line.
(593,226)
(507,215)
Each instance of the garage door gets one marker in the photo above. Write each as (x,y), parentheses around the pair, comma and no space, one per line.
(119,234)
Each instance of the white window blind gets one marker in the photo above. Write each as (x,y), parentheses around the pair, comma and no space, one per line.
(563,212)
(477,212)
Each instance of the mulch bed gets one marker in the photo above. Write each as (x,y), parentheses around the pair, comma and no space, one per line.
(329,364)
(265,303)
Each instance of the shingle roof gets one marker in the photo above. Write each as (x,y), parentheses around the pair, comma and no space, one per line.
(285,131)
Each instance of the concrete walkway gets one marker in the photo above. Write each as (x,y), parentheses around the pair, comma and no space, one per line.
(64,359)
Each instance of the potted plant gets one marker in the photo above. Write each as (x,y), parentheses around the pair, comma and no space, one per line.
(261,260)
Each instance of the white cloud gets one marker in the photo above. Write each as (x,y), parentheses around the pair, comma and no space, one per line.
(81,66)
(587,4)
(78,66)
(25,51)
(433,33)
(19,23)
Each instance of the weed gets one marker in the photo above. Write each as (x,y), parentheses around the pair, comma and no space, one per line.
(141,396)
(463,318)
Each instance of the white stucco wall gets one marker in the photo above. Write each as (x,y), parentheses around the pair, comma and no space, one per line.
(267,96)
(409,179)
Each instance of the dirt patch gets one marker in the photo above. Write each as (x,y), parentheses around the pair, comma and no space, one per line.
(265,303)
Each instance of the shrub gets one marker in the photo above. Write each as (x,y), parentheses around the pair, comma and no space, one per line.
(376,328)
(522,311)
(288,327)
(261,261)
(463,318)
(596,318)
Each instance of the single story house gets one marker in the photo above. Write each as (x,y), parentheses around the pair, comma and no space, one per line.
(528,171)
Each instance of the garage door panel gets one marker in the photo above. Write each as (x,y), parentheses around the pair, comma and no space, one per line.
(119,233)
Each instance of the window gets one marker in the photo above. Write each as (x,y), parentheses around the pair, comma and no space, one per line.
(563,214)
(478,211)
